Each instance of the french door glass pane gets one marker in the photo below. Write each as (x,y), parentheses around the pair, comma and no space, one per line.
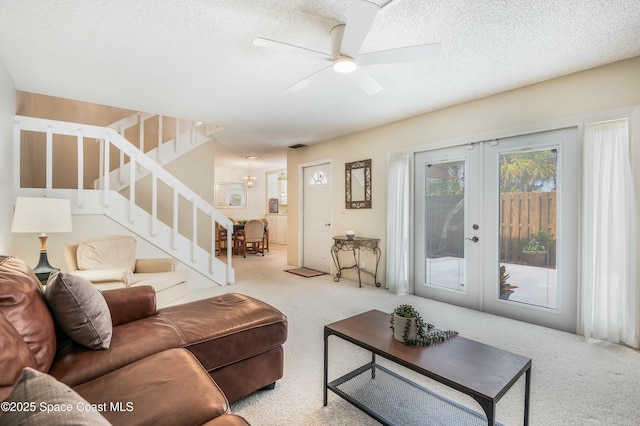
(444,210)
(528,218)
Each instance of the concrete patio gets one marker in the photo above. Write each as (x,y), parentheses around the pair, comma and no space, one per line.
(536,285)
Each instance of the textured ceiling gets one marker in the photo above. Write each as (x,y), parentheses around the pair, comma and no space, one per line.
(195,58)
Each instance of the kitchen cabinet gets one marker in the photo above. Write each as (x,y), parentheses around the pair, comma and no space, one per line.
(277,228)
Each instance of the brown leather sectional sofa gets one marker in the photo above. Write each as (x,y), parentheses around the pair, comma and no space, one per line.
(155,369)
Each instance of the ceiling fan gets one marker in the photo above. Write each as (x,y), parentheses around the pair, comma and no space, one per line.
(346,42)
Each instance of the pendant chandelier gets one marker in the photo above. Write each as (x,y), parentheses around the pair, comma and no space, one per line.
(249,178)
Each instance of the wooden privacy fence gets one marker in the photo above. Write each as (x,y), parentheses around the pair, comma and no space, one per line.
(522,215)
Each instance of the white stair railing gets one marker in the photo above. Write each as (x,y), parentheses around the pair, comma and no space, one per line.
(188,135)
(124,209)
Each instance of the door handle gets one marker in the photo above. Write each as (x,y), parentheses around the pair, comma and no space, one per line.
(474,239)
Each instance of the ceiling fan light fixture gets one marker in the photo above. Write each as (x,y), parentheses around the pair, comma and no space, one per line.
(344,64)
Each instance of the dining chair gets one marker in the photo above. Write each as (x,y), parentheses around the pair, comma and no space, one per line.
(253,235)
(265,221)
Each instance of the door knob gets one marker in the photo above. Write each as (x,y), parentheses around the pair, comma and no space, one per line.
(474,239)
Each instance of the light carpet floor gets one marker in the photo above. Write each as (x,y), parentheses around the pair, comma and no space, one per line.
(573,382)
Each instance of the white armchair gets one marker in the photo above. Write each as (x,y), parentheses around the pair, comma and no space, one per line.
(110,262)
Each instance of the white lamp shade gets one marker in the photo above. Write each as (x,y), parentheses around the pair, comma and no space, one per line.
(41,215)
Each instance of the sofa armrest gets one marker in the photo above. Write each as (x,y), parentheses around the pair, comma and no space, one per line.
(155,265)
(130,304)
(70,256)
(124,276)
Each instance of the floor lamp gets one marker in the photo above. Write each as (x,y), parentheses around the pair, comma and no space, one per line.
(42,215)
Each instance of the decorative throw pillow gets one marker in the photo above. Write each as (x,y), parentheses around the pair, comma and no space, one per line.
(80,310)
(39,399)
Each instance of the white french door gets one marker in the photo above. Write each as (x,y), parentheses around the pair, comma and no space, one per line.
(448,188)
(497,226)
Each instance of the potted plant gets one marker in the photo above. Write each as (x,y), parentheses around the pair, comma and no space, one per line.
(535,248)
(506,289)
(409,327)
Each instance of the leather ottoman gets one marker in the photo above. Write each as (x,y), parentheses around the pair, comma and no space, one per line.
(236,338)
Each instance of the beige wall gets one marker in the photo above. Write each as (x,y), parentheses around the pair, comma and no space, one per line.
(7,192)
(256,195)
(532,107)
(53,108)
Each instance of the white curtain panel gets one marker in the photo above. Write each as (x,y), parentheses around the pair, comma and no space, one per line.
(609,296)
(398,216)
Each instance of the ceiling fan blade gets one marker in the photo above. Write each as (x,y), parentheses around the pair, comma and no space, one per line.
(359,20)
(307,80)
(290,48)
(367,83)
(423,52)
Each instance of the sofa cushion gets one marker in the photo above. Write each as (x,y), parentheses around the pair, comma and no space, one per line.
(121,277)
(75,364)
(41,390)
(109,252)
(15,355)
(79,309)
(228,328)
(160,280)
(22,304)
(169,388)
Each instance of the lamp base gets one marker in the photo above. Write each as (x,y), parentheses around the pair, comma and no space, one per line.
(43,269)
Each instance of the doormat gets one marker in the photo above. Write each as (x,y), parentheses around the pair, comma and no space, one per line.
(305,272)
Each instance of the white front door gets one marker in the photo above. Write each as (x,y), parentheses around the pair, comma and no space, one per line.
(316,220)
(497,226)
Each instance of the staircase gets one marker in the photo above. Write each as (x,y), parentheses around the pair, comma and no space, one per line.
(188,135)
(120,205)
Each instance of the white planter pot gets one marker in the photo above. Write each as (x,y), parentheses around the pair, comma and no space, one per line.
(399,324)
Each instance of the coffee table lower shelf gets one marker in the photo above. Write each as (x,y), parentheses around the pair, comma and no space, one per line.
(394,400)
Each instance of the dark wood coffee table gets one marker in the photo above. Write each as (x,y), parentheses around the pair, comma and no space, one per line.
(481,371)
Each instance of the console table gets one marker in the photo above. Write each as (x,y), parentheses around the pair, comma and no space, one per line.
(355,245)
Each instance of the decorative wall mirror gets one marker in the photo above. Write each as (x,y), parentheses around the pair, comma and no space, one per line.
(230,195)
(358,184)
